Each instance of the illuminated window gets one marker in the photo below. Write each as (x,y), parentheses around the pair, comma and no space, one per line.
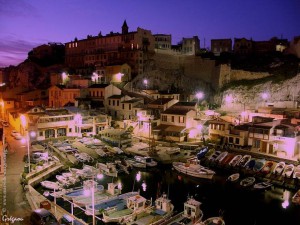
(164,118)
(181,119)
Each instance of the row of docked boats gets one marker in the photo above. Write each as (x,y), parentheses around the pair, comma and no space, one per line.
(255,164)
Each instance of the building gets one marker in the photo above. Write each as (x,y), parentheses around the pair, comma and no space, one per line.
(242,46)
(175,123)
(163,41)
(113,48)
(219,46)
(159,105)
(38,97)
(61,95)
(117,73)
(190,46)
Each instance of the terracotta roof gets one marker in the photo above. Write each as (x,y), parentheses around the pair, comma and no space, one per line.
(161,101)
(176,111)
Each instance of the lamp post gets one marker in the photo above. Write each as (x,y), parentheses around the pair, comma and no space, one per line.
(25,127)
(91,188)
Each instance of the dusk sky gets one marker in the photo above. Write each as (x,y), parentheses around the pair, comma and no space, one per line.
(25,24)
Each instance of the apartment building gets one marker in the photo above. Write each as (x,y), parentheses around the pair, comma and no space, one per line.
(126,47)
(219,46)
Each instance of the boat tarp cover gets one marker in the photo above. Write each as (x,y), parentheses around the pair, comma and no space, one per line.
(160,212)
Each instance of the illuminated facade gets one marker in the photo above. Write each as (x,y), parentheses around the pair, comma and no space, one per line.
(114,48)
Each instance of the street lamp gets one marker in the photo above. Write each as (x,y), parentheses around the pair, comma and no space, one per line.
(146,83)
(199,95)
(90,187)
(25,127)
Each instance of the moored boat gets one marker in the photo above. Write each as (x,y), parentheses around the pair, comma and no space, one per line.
(108,169)
(233,177)
(267,167)
(221,156)
(193,168)
(162,210)
(297,172)
(50,185)
(236,159)
(244,161)
(259,164)
(296,197)
(279,168)
(145,160)
(288,170)
(192,214)
(262,185)
(213,221)
(247,181)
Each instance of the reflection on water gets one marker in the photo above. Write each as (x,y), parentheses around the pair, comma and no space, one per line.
(240,206)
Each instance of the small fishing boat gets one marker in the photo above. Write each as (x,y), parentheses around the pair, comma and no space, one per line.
(221,156)
(279,168)
(244,161)
(236,159)
(193,168)
(297,172)
(262,185)
(227,159)
(213,221)
(51,185)
(162,210)
(267,167)
(202,152)
(108,169)
(233,177)
(259,164)
(192,214)
(215,156)
(146,160)
(296,197)
(247,181)
(288,170)
(76,192)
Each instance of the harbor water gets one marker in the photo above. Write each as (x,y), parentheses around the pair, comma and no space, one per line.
(237,205)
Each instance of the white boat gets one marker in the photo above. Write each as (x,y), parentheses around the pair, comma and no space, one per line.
(235,160)
(213,221)
(262,185)
(59,194)
(244,161)
(296,197)
(73,193)
(136,164)
(221,156)
(108,169)
(63,180)
(192,214)
(267,167)
(233,177)
(193,168)
(162,210)
(247,181)
(297,172)
(214,156)
(145,160)
(120,213)
(100,152)
(51,185)
(279,168)
(288,170)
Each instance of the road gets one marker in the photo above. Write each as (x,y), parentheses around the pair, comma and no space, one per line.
(16,202)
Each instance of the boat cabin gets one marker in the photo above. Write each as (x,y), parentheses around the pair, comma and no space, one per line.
(192,209)
(136,202)
(163,204)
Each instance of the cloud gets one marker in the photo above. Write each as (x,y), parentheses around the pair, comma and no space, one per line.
(14,51)
(16,8)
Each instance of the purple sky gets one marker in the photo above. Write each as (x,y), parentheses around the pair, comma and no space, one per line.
(25,24)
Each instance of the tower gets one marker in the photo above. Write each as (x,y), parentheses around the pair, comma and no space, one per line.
(124,28)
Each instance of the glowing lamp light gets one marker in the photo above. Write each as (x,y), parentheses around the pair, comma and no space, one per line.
(228,98)
(199,95)
(120,186)
(86,192)
(145,81)
(138,176)
(119,77)
(23,140)
(144,186)
(285,204)
(32,134)
(100,176)
(199,127)
(264,95)
(23,120)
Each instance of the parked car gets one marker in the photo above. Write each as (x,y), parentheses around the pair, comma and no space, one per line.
(42,217)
